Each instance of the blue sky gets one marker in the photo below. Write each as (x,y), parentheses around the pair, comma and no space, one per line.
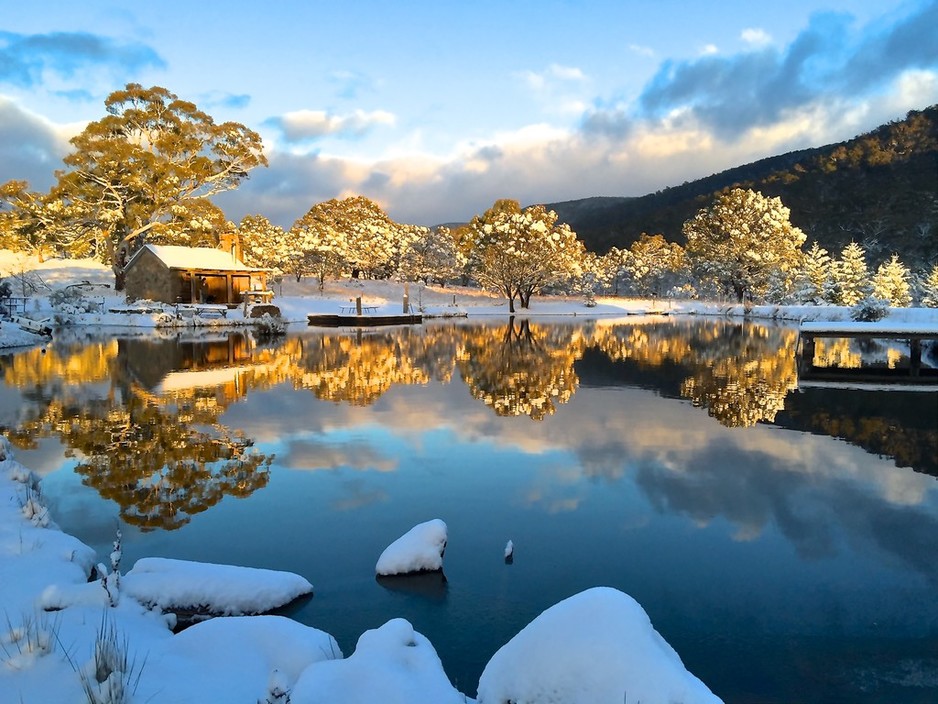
(436,109)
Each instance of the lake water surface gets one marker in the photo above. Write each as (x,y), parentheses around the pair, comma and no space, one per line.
(784,540)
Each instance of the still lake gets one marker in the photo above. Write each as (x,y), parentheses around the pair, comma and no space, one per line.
(783,539)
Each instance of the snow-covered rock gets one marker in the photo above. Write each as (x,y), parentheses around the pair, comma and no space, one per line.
(233,659)
(392,664)
(211,589)
(596,647)
(419,549)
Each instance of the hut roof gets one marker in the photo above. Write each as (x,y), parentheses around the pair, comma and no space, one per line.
(195,258)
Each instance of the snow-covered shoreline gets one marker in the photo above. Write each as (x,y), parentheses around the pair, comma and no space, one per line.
(297,300)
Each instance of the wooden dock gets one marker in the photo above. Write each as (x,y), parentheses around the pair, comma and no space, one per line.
(328,320)
(912,373)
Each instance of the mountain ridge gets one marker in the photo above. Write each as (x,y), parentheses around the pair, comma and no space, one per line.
(879,189)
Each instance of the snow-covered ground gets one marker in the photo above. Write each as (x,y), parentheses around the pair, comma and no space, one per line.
(296,300)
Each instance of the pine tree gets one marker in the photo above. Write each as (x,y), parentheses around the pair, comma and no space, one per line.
(930,289)
(851,276)
(891,283)
(814,282)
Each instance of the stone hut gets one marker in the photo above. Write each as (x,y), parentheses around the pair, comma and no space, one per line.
(173,274)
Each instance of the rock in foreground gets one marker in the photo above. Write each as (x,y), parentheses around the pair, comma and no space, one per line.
(597,647)
(419,550)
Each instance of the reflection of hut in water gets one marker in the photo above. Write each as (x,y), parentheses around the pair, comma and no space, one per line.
(172,274)
(176,366)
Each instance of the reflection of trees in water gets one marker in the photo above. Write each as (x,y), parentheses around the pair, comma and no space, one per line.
(750,381)
(161,456)
(158,464)
(360,368)
(740,373)
(521,369)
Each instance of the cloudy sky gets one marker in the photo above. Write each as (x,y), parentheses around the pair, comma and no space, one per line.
(436,109)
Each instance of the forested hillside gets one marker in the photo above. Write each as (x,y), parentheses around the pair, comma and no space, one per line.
(879,189)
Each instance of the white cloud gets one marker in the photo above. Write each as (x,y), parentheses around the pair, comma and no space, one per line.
(646,51)
(755,36)
(552,76)
(709,50)
(310,124)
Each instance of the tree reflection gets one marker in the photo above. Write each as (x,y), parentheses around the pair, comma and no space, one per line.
(740,373)
(359,368)
(521,369)
(161,455)
(752,370)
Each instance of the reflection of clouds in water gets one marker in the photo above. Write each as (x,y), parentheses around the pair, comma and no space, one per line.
(819,491)
(752,491)
(556,490)
(309,454)
(359,495)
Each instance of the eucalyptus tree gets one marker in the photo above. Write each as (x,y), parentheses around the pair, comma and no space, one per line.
(430,255)
(518,252)
(743,241)
(152,160)
(370,241)
(654,263)
(32,221)
(263,244)
(316,247)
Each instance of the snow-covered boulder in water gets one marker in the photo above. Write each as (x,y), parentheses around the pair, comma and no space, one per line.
(211,590)
(597,647)
(392,664)
(419,550)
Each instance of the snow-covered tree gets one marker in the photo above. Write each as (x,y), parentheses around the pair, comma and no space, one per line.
(150,154)
(318,248)
(891,282)
(655,264)
(518,252)
(263,244)
(36,222)
(372,241)
(814,282)
(851,276)
(930,288)
(431,255)
(742,240)
(611,270)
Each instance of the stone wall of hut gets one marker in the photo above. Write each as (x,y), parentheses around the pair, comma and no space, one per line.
(149,279)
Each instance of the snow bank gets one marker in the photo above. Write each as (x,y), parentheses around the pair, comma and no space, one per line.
(211,589)
(232,659)
(596,647)
(419,549)
(34,553)
(12,335)
(392,664)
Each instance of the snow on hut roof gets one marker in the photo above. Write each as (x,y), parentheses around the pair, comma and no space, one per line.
(176,257)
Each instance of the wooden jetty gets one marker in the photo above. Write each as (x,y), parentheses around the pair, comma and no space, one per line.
(329,320)
(914,372)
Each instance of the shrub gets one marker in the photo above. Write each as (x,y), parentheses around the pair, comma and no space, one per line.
(869,310)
